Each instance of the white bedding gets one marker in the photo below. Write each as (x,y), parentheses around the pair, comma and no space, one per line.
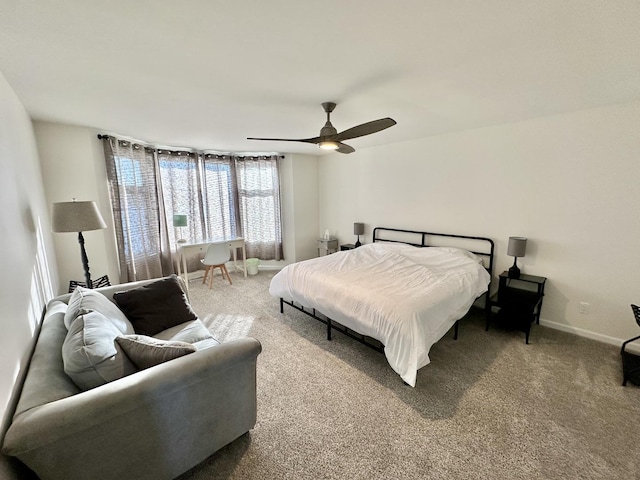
(406,297)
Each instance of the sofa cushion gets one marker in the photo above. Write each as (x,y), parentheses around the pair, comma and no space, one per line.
(146,351)
(46,381)
(83,299)
(156,306)
(90,354)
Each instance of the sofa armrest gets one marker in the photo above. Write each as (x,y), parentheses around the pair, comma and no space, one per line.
(156,423)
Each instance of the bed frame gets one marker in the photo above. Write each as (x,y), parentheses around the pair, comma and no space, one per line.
(481,246)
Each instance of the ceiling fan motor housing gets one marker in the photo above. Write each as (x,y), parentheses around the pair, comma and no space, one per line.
(328,131)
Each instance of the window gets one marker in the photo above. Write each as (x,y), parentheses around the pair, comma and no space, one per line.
(223,196)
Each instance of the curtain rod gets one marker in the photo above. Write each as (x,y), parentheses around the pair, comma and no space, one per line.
(106,137)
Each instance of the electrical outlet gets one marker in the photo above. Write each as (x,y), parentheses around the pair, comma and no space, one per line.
(583,308)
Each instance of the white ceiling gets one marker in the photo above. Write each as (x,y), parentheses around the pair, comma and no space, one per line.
(209,73)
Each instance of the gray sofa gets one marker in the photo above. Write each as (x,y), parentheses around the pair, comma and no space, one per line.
(156,423)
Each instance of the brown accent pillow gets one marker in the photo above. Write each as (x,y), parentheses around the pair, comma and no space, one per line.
(147,352)
(156,306)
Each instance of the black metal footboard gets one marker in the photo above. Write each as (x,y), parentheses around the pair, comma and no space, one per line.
(333,325)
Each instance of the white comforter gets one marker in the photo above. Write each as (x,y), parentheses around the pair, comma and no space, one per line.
(406,297)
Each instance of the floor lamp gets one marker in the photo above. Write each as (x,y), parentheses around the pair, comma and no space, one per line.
(77,217)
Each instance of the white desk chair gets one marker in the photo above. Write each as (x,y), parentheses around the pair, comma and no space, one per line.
(216,257)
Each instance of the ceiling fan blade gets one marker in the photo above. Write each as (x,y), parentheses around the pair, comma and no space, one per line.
(344,148)
(305,140)
(366,129)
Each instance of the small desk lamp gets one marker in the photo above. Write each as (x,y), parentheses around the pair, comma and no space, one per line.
(517,248)
(77,217)
(358,229)
(180,221)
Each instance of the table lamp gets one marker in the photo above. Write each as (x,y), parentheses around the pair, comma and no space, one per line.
(517,248)
(358,229)
(180,221)
(77,217)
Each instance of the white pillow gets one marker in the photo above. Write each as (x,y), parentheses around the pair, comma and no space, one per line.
(90,353)
(146,351)
(83,299)
(461,252)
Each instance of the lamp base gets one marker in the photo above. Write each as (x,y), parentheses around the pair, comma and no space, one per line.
(357,244)
(99,283)
(514,272)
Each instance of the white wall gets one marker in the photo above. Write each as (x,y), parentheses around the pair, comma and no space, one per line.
(73,166)
(304,187)
(569,183)
(29,275)
(566,182)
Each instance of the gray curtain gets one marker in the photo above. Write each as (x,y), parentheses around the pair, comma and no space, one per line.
(223,197)
(259,205)
(180,182)
(136,199)
(220,197)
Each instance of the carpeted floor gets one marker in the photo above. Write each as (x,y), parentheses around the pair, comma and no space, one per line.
(487,407)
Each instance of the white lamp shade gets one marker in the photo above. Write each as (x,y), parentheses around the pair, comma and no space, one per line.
(76,217)
(517,246)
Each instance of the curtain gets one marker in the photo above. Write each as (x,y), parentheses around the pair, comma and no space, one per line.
(220,197)
(139,218)
(223,197)
(259,206)
(180,182)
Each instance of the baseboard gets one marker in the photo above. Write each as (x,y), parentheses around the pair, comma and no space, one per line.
(632,347)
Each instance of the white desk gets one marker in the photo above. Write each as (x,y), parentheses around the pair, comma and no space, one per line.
(187,249)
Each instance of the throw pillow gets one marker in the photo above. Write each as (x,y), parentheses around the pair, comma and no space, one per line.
(90,354)
(146,351)
(83,299)
(156,306)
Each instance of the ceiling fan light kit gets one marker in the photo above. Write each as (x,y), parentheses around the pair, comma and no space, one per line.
(330,139)
(328,145)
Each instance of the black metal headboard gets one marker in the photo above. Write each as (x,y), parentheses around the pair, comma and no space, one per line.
(481,246)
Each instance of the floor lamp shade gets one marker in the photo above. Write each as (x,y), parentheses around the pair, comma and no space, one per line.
(517,248)
(77,217)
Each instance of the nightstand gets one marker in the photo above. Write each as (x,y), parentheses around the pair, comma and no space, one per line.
(347,246)
(327,245)
(519,301)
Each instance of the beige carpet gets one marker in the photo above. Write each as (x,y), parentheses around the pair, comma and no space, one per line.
(487,407)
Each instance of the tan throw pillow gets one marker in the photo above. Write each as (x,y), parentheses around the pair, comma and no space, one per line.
(146,351)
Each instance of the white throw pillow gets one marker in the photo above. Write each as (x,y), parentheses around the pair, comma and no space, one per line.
(83,299)
(90,352)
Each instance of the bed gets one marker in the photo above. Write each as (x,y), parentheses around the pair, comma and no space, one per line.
(393,291)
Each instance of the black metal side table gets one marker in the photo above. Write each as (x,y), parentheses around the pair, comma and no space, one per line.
(519,300)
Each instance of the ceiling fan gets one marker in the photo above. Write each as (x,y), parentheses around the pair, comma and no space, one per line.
(330,139)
